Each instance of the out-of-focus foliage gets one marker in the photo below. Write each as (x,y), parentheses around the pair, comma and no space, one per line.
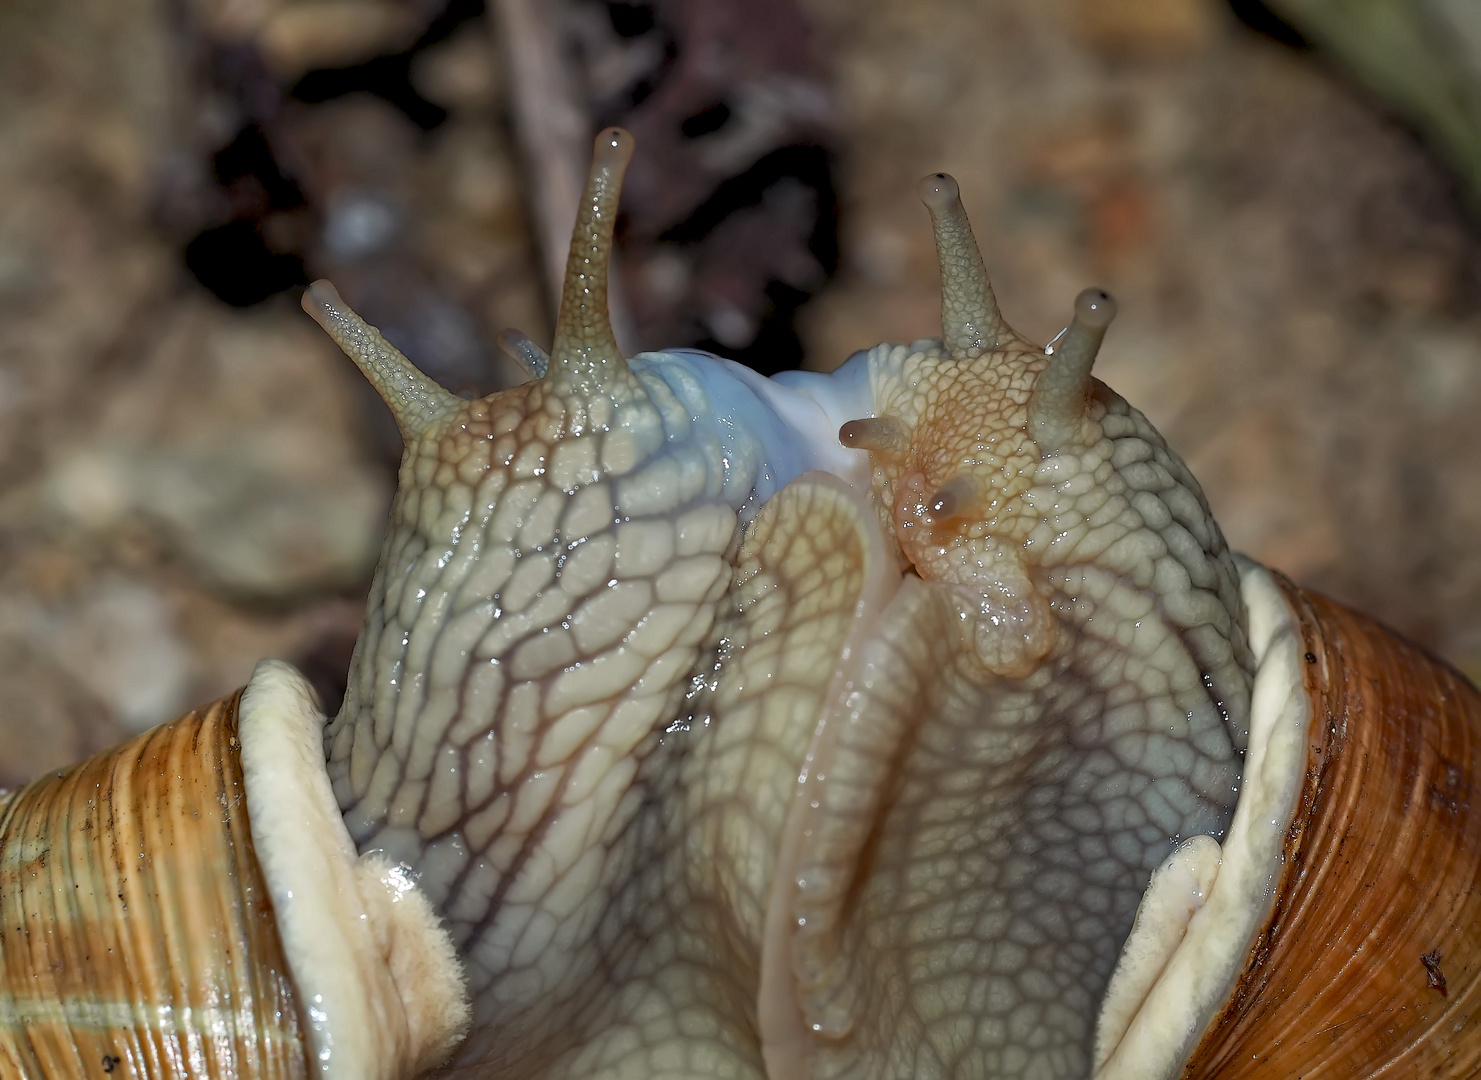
(1422,56)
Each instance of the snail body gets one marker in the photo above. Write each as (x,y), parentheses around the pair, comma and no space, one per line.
(913,720)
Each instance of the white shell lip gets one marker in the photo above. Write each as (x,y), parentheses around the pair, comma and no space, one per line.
(378,979)
(1171,982)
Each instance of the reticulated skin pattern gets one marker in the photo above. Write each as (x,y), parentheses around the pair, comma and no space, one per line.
(716,766)
(1061,701)
(1064,702)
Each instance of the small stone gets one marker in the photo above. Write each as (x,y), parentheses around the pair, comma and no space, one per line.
(461,73)
(333,33)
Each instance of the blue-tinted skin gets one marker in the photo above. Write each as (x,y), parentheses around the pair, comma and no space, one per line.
(770,431)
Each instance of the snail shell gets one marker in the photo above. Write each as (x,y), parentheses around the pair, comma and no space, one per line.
(1371,958)
(1354,946)
(887,723)
(118,958)
(151,930)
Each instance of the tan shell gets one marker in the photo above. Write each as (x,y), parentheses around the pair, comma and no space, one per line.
(1378,901)
(136,934)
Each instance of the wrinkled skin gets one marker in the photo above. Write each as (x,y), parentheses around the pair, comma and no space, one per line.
(724,756)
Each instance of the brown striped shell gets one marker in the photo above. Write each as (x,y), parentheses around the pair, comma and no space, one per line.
(150,931)
(138,937)
(1371,962)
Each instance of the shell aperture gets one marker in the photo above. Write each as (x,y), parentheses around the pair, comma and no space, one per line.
(723,748)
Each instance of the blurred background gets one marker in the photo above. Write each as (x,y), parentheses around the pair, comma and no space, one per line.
(1282,196)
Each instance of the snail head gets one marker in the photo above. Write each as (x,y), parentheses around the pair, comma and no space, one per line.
(575,390)
(961,428)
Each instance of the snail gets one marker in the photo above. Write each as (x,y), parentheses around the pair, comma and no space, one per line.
(910,720)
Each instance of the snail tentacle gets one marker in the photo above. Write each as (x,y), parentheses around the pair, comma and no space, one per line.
(877,434)
(584,356)
(417,401)
(534,360)
(970,321)
(1057,407)
(956,498)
